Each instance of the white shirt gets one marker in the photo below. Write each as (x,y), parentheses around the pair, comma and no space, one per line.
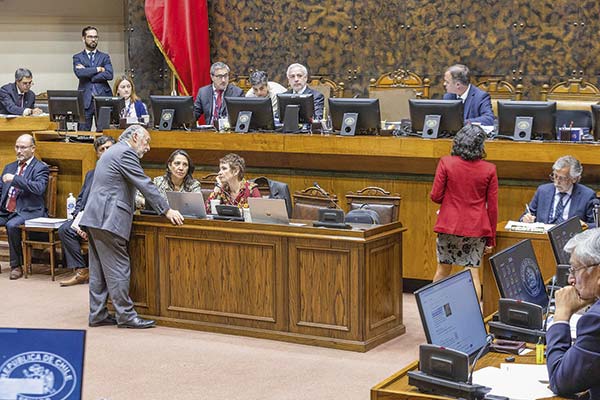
(274,89)
(566,202)
(465,95)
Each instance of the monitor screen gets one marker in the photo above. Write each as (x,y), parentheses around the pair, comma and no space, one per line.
(66,105)
(305,101)
(450,112)
(451,315)
(560,234)
(116,105)
(41,363)
(182,105)
(518,275)
(261,108)
(542,112)
(596,121)
(369,116)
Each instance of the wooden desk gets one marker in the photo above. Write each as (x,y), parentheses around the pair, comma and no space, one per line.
(12,128)
(543,252)
(396,387)
(316,286)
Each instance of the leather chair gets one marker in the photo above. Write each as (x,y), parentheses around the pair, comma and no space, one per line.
(379,200)
(309,201)
(329,89)
(394,89)
(500,90)
(207,184)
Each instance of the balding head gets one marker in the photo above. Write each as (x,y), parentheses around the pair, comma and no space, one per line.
(24,147)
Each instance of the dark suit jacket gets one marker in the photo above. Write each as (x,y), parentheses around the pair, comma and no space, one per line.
(319,101)
(574,368)
(111,201)
(10,102)
(478,106)
(31,187)
(581,204)
(204,101)
(277,190)
(468,194)
(90,79)
(84,193)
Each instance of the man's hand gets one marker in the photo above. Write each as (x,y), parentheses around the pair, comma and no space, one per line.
(8,178)
(174,216)
(568,303)
(528,218)
(37,111)
(100,69)
(79,66)
(488,249)
(82,234)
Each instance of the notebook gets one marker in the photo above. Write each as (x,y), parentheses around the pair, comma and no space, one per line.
(189,204)
(268,211)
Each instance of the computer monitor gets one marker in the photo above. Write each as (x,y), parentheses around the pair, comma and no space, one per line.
(596,121)
(66,106)
(451,315)
(560,234)
(542,112)
(369,115)
(183,107)
(116,106)
(450,114)
(261,108)
(306,103)
(518,275)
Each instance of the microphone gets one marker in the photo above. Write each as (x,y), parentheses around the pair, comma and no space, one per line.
(320,189)
(552,287)
(356,96)
(489,339)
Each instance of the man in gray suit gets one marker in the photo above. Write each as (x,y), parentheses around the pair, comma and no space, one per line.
(210,101)
(108,217)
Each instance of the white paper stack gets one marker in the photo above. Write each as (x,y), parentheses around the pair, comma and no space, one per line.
(44,222)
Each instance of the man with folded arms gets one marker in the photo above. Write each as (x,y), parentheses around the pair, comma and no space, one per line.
(108,218)
(70,235)
(573,366)
(210,100)
(564,198)
(23,186)
(18,98)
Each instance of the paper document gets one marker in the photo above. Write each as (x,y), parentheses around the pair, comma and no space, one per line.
(532,227)
(515,381)
(11,387)
(77,220)
(43,222)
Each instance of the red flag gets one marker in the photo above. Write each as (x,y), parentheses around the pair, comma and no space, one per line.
(180,30)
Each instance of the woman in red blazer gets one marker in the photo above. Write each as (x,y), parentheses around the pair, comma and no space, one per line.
(466,186)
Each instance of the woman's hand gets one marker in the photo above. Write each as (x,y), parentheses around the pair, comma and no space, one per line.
(488,249)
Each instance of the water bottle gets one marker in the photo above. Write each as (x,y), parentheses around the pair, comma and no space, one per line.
(70,206)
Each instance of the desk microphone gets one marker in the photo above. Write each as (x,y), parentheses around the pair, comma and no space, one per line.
(488,341)
(320,189)
(552,287)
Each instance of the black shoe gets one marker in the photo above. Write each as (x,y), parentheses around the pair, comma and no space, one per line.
(110,320)
(138,323)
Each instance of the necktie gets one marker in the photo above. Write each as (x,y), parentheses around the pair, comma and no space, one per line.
(21,97)
(91,55)
(218,104)
(560,208)
(11,206)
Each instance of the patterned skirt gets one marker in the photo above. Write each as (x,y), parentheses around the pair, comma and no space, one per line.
(460,250)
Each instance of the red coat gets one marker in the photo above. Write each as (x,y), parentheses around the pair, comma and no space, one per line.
(468,193)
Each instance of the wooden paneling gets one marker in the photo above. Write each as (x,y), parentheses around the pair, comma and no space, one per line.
(294,283)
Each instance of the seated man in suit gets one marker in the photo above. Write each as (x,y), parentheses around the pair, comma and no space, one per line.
(18,98)
(23,187)
(297,75)
(564,198)
(477,103)
(262,87)
(71,236)
(210,100)
(573,367)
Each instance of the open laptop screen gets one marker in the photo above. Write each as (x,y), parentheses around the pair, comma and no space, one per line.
(41,363)
(451,315)
(560,234)
(518,275)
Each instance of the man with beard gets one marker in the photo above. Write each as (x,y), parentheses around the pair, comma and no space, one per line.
(93,69)
(210,100)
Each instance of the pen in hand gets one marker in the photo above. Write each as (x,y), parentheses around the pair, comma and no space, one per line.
(527,208)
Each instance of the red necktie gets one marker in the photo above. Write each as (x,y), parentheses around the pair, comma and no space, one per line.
(218,105)
(11,206)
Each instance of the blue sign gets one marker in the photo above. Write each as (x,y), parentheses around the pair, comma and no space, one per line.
(41,364)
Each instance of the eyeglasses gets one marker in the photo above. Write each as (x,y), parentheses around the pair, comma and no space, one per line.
(30,83)
(20,148)
(220,76)
(572,270)
(557,178)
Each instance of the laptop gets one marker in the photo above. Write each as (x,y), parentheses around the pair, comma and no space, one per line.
(518,274)
(450,314)
(268,211)
(189,204)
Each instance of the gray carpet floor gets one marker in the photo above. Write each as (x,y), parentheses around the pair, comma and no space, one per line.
(168,363)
